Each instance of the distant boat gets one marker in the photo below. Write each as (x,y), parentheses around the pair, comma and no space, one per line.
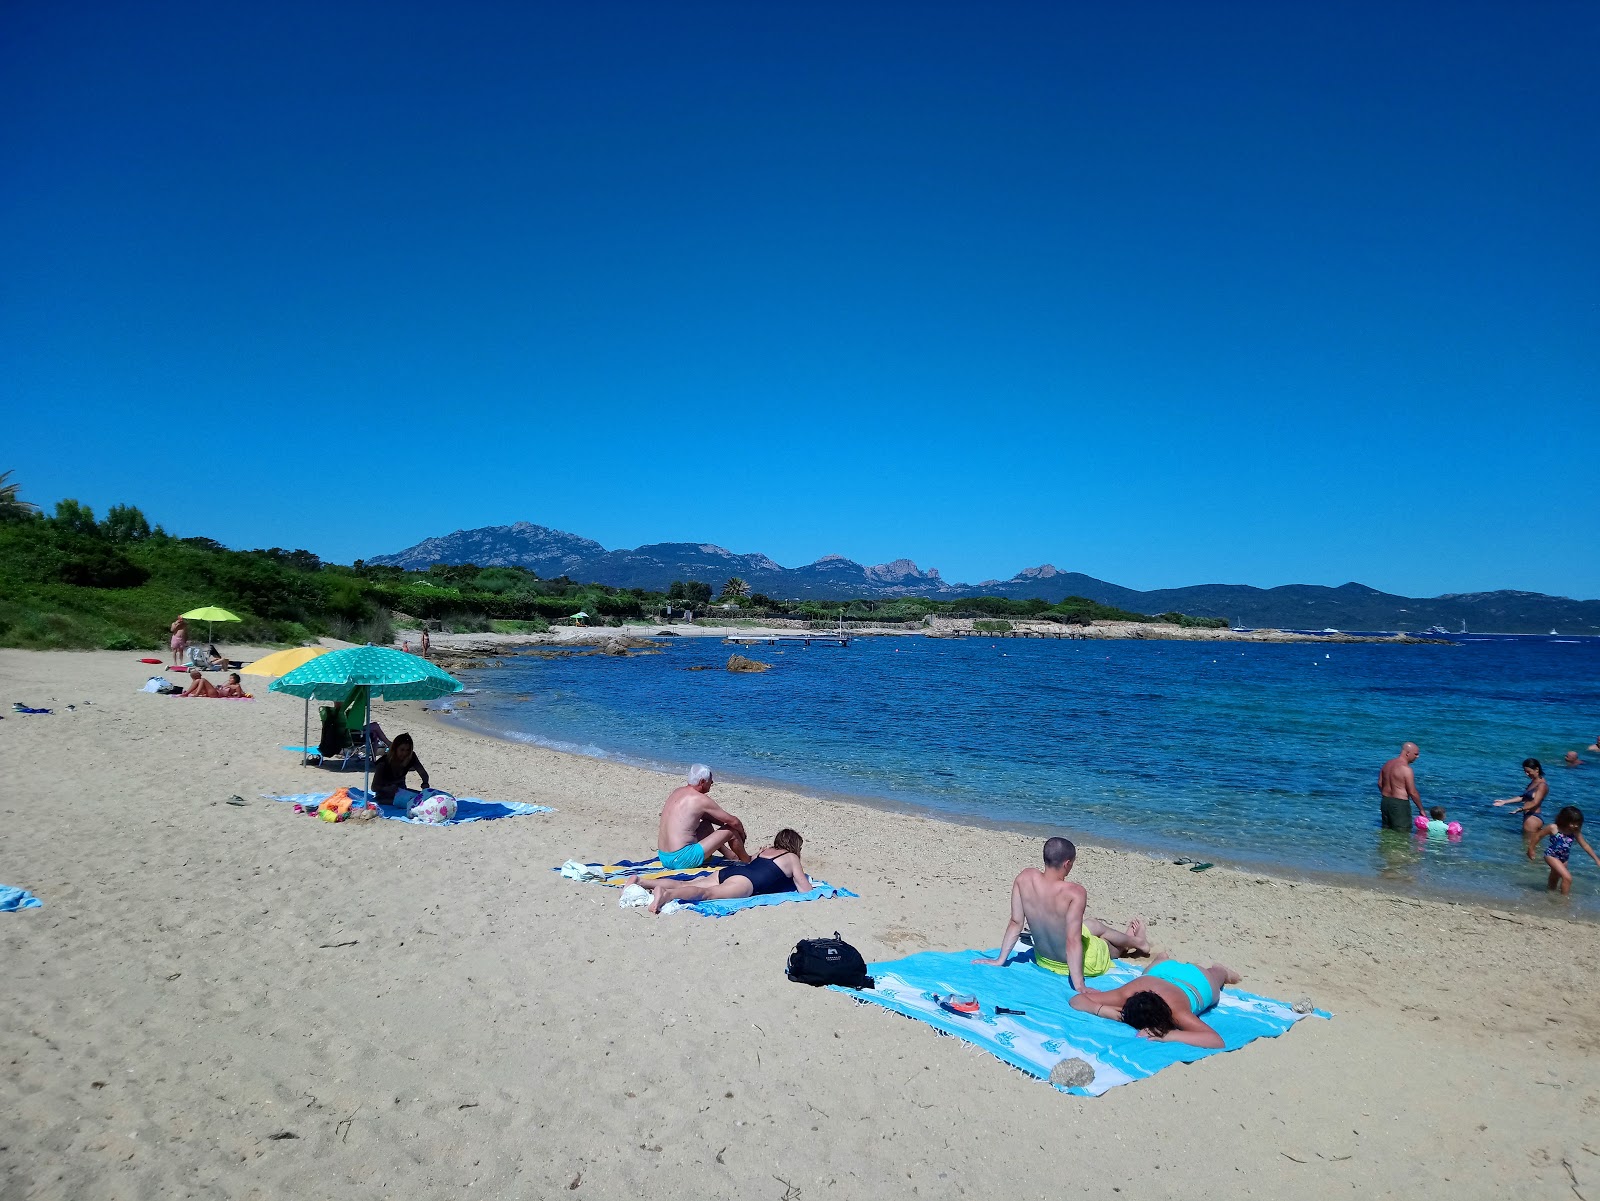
(1435,630)
(1330,630)
(1552,633)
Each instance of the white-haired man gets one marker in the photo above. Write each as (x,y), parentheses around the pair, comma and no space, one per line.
(693,827)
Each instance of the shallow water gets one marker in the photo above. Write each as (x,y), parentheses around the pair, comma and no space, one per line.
(1240,752)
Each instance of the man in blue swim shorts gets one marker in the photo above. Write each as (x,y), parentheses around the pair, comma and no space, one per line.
(693,827)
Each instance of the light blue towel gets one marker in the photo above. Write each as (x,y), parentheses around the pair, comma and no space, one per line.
(821,890)
(613,874)
(1051,1030)
(468,809)
(13,899)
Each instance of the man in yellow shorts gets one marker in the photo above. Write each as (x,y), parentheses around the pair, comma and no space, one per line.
(1064,941)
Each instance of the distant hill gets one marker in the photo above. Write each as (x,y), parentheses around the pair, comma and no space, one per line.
(550,553)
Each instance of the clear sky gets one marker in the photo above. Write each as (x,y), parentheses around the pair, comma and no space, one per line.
(1165,293)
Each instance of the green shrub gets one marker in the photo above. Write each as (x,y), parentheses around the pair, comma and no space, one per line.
(120,640)
(991,627)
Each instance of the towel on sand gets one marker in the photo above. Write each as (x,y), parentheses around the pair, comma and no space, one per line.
(468,809)
(1050,1029)
(12,899)
(615,875)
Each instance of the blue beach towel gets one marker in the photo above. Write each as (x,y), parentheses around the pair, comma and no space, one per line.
(821,890)
(615,874)
(468,809)
(13,899)
(1050,1029)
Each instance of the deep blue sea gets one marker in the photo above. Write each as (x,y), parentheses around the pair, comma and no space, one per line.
(1234,752)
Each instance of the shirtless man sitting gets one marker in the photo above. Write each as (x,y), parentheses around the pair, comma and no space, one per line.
(1064,941)
(199,685)
(694,827)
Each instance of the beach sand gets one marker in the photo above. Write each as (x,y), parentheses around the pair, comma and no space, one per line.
(433,1012)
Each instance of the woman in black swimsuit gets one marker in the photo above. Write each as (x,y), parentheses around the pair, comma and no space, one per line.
(1531,800)
(774,869)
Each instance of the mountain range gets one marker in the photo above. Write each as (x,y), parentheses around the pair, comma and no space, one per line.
(550,553)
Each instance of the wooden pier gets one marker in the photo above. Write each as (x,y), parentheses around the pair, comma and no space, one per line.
(787,639)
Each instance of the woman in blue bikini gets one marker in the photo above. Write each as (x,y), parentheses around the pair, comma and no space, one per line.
(1531,800)
(1165,1003)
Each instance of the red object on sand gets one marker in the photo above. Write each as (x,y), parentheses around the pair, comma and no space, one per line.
(149,660)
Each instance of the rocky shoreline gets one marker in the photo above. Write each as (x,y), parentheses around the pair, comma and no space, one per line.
(473,650)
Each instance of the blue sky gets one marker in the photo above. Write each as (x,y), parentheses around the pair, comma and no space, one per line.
(1164,293)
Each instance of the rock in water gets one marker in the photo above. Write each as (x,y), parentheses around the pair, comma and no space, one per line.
(740,663)
(1072,1073)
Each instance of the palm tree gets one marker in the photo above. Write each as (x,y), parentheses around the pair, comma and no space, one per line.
(11,507)
(735,587)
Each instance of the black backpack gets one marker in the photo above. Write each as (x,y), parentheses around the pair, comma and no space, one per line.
(821,961)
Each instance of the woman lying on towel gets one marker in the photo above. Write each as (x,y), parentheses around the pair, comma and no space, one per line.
(774,869)
(1166,1002)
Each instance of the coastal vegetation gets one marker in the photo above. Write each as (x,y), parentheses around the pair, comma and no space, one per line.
(70,579)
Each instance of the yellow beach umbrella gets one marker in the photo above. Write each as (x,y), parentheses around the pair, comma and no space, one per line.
(281,663)
(209,614)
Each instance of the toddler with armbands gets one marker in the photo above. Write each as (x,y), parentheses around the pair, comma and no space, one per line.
(1435,826)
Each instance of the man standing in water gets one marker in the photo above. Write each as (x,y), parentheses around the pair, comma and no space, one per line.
(1397,787)
(1064,941)
(693,827)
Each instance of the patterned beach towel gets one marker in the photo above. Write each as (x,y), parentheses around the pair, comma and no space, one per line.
(614,875)
(13,899)
(1049,1030)
(468,809)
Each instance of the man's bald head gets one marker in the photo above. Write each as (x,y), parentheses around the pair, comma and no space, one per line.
(1410,751)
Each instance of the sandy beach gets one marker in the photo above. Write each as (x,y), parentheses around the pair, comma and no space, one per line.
(235,1001)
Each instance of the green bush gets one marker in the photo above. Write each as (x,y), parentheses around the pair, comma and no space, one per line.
(992,627)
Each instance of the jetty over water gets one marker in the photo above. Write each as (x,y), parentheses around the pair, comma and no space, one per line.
(788,639)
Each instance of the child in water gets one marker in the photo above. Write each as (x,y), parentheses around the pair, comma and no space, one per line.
(1568,829)
(1435,825)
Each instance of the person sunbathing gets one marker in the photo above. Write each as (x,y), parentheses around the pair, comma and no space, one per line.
(774,869)
(1165,1003)
(1065,940)
(199,685)
(390,772)
(693,827)
(232,688)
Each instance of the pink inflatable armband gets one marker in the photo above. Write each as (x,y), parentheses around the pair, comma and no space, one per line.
(1453,829)
(1420,823)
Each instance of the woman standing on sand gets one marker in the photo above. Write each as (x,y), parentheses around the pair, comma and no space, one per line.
(1531,800)
(180,639)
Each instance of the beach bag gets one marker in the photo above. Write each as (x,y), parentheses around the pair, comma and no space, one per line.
(433,807)
(819,961)
(337,807)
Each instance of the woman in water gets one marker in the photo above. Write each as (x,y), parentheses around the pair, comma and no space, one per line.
(1531,800)
(1567,830)
(1165,1003)
(774,869)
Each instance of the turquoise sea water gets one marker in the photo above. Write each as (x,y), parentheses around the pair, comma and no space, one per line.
(1241,753)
